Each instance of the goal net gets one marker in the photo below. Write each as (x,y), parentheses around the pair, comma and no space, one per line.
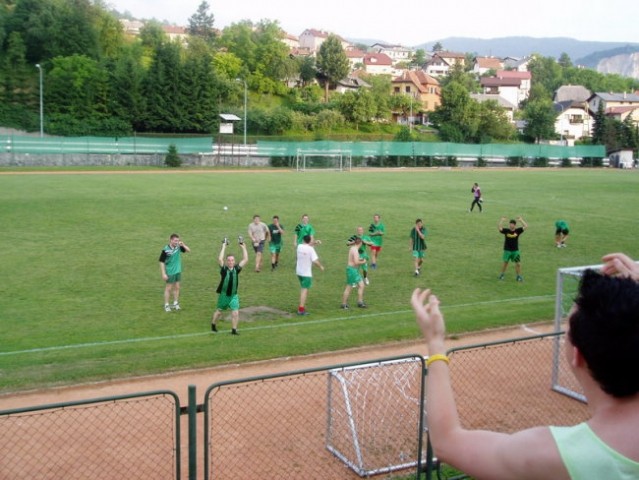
(374,415)
(563,381)
(335,160)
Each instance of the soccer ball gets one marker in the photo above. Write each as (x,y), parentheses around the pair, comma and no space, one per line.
(225,208)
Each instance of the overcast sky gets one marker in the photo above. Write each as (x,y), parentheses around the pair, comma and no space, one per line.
(413,22)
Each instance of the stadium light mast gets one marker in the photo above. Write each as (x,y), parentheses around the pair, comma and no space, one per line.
(245,109)
(39,67)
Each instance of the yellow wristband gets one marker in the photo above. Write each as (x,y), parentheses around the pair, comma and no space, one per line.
(438,356)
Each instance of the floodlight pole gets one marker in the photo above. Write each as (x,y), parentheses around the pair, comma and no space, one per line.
(245,110)
(39,67)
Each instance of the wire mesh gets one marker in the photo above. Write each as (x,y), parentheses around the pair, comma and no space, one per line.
(132,437)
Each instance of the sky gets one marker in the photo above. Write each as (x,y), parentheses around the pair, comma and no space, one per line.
(414,22)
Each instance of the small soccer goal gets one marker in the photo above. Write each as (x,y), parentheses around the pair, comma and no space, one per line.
(568,280)
(374,415)
(327,160)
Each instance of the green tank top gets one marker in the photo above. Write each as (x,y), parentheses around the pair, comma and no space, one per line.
(586,456)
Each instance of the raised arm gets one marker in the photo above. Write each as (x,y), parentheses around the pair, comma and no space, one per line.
(245,258)
(523,222)
(620,264)
(500,224)
(185,247)
(220,258)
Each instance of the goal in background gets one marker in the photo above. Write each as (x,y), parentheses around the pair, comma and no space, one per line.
(563,381)
(336,160)
(374,415)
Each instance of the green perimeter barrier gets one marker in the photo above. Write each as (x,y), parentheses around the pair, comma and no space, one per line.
(153,145)
(429,149)
(101,145)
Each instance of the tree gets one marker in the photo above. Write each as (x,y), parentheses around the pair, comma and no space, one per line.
(438,47)
(201,23)
(307,69)
(419,58)
(357,106)
(458,115)
(332,62)
(564,60)
(540,119)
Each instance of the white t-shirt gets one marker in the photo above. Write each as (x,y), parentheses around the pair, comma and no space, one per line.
(306,255)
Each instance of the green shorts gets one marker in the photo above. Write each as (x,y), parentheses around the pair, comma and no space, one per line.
(275,247)
(353,278)
(305,282)
(511,256)
(174,278)
(419,253)
(224,302)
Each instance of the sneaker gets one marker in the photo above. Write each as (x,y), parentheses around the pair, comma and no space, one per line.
(344,306)
(214,328)
(234,332)
(416,273)
(563,245)
(520,278)
(373,266)
(361,305)
(366,281)
(167,308)
(501,276)
(302,313)
(176,306)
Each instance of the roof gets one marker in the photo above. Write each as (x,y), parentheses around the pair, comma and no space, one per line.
(616,97)
(419,78)
(501,101)
(619,110)
(489,62)
(377,59)
(514,74)
(575,93)
(229,117)
(499,82)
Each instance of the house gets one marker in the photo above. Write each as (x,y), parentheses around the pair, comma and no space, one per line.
(509,108)
(616,105)
(573,121)
(482,65)
(378,64)
(611,99)
(131,27)
(351,83)
(355,57)
(518,64)
(397,53)
(441,62)
(176,33)
(313,39)
(291,41)
(514,86)
(423,89)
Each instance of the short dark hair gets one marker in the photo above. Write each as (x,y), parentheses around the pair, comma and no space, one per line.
(513,221)
(605,329)
(307,239)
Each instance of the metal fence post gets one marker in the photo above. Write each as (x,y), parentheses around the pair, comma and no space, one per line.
(192,433)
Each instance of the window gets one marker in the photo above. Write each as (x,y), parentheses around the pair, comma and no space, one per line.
(407,88)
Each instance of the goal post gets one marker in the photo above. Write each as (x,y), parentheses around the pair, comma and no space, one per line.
(373,415)
(318,160)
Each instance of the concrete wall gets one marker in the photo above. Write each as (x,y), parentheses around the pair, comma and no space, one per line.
(155,160)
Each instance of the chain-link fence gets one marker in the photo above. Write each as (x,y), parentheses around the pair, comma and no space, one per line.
(338,422)
(332,423)
(507,386)
(134,437)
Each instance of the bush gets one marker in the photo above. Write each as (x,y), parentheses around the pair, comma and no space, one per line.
(566,163)
(172,158)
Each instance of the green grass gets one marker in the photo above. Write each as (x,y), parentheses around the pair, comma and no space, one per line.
(82,294)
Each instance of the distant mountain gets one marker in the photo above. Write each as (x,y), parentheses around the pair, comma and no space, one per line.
(593,60)
(524,46)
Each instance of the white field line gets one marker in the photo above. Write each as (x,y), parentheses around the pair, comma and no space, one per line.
(263,327)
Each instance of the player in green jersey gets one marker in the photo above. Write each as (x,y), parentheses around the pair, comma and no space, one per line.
(171,270)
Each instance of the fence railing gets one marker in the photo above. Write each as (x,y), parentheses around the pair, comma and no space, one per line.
(346,421)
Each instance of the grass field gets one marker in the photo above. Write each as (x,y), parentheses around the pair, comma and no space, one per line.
(82,293)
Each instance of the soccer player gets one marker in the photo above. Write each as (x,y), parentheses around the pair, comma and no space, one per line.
(418,244)
(227,289)
(363,253)
(171,270)
(304,228)
(353,278)
(258,233)
(376,231)
(561,233)
(511,245)
(477,200)
(276,230)
(306,258)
